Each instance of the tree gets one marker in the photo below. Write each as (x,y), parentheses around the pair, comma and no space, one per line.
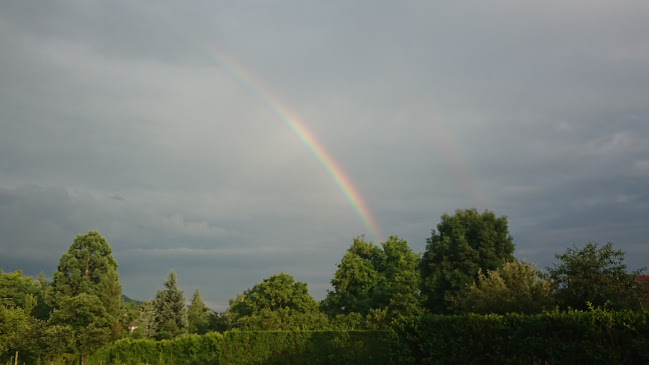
(277,303)
(370,278)
(170,312)
(86,293)
(14,329)
(462,245)
(146,321)
(517,287)
(198,315)
(89,318)
(130,315)
(24,292)
(597,276)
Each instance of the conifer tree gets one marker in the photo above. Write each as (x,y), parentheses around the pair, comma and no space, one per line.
(86,293)
(146,322)
(198,315)
(170,311)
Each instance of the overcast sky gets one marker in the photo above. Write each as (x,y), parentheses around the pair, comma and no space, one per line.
(120,116)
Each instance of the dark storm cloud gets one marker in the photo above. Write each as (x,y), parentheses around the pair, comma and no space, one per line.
(119,116)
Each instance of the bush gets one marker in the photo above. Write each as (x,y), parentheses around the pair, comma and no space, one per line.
(595,337)
(575,337)
(306,347)
(186,349)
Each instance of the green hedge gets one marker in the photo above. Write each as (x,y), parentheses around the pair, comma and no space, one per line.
(186,349)
(595,337)
(306,347)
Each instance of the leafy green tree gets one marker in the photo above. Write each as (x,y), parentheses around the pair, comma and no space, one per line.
(35,339)
(223,321)
(370,277)
(517,287)
(278,302)
(462,245)
(24,292)
(198,315)
(86,294)
(14,329)
(130,314)
(170,311)
(597,276)
(86,314)
(350,321)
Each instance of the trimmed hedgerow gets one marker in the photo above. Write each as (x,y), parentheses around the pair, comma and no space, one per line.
(594,337)
(185,349)
(307,347)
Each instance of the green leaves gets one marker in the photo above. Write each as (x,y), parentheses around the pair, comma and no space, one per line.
(462,245)
(278,302)
(573,337)
(370,277)
(24,292)
(88,317)
(517,287)
(596,275)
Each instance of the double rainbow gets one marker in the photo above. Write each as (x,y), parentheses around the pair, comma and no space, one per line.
(302,132)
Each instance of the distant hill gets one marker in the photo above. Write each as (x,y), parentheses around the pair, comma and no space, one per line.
(129,300)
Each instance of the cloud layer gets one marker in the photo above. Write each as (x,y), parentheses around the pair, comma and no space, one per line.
(122,117)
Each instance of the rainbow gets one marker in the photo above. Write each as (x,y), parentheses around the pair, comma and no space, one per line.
(438,129)
(459,162)
(302,132)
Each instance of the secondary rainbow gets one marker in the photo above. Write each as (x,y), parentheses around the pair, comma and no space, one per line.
(302,132)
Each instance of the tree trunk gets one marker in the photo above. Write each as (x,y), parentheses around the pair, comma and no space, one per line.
(16,359)
(83,358)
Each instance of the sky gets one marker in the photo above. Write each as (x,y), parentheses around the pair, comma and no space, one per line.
(178,130)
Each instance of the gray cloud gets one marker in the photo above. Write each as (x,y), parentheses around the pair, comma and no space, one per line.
(122,117)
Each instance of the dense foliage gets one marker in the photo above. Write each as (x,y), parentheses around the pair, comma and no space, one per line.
(307,347)
(170,315)
(387,305)
(86,293)
(598,277)
(184,349)
(198,315)
(24,292)
(595,337)
(462,245)
(372,278)
(278,302)
(517,287)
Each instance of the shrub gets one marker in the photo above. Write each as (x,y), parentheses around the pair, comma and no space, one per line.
(595,337)
(306,347)
(186,349)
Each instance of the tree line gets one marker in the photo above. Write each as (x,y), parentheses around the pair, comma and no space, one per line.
(468,267)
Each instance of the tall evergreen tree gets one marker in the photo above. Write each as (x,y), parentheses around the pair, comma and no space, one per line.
(198,315)
(170,311)
(146,321)
(86,292)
